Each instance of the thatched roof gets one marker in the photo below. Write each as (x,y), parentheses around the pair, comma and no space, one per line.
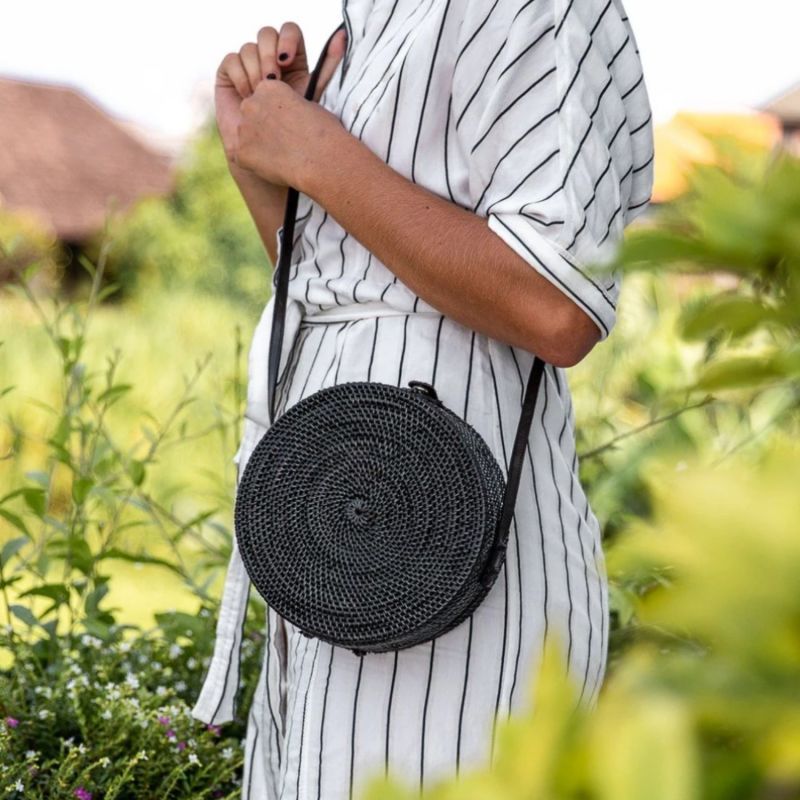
(64,158)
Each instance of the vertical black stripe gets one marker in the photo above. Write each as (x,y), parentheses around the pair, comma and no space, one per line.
(503,570)
(389,713)
(353,725)
(301,749)
(424,719)
(469,639)
(322,724)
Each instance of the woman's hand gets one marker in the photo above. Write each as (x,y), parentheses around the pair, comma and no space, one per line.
(281,135)
(277,58)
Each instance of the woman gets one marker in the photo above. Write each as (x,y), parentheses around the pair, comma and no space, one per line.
(463,165)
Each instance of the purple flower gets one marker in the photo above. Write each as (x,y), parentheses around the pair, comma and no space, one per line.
(170,734)
(215,729)
(11,722)
(181,745)
(82,794)
(164,720)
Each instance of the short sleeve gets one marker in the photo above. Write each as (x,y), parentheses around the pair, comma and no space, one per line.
(552,114)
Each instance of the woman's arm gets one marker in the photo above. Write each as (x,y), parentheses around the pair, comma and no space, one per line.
(266,203)
(444,253)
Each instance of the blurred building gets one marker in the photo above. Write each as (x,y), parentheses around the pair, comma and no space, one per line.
(785,107)
(68,162)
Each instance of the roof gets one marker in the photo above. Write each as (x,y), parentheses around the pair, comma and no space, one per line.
(64,158)
(785,105)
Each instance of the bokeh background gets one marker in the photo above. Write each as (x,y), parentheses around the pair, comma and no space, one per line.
(131,279)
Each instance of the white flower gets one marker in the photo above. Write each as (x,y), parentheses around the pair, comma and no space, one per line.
(156,666)
(227,753)
(81,748)
(161,690)
(19,786)
(107,714)
(43,713)
(180,686)
(193,759)
(31,753)
(124,647)
(142,755)
(69,742)
(105,761)
(132,680)
(175,650)
(191,663)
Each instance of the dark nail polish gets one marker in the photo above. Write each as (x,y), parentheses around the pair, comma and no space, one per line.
(283,56)
(270,74)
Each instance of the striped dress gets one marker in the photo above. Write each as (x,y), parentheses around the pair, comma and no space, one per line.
(534,114)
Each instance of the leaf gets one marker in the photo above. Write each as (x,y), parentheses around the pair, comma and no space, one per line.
(81,488)
(55,591)
(37,476)
(95,597)
(115,552)
(113,393)
(737,316)
(739,372)
(11,548)
(137,471)
(35,499)
(15,520)
(24,613)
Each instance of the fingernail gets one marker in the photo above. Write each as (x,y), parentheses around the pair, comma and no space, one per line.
(270,74)
(283,56)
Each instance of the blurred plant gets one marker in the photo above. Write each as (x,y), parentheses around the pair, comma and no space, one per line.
(112,719)
(201,236)
(107,496)
(739,218)
(66,735)
(705,703)
(28,241)
(705,363)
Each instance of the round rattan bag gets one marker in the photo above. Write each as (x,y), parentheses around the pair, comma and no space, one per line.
(366,516)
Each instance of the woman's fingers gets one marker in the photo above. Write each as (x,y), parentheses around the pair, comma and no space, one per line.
(291,49)
(231,72)
(251,63)
(336,51)
(267,40)
(283,53)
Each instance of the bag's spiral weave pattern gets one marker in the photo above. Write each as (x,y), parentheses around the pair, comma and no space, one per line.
(366,516)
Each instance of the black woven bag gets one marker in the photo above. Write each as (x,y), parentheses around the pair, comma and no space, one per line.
(369,515)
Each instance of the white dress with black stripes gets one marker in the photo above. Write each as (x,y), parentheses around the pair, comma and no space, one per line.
(535,114)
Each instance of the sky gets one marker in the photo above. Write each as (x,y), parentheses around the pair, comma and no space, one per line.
(153,63)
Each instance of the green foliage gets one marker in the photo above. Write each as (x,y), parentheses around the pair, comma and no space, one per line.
(705,703)
(201,236)
(68,540)
(738,219)
(84,708)
(81,717)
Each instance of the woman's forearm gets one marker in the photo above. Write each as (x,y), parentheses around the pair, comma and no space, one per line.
(266,203)
(445,253)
